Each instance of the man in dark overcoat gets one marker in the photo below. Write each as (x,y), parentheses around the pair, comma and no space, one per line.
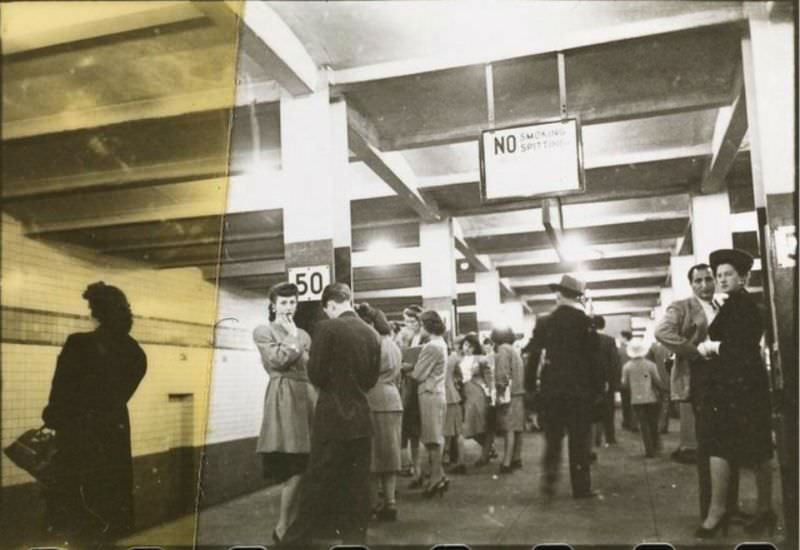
(608,363)
(571,386)
(344,363)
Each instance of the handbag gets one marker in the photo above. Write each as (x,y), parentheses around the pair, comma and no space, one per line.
(34,451)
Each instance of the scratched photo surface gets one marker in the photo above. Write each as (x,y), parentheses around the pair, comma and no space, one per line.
(181,181)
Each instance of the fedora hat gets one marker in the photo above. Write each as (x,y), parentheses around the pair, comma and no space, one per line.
(636,348)
(739,259)
(569,285)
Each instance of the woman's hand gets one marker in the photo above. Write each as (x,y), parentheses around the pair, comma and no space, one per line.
(287,322)
(708,348)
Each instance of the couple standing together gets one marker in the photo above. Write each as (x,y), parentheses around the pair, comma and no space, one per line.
(722,384)
(318,446)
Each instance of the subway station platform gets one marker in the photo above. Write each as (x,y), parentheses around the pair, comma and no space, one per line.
(642,500)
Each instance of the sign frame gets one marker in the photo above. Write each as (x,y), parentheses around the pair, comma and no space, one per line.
(534,196)
(325,274)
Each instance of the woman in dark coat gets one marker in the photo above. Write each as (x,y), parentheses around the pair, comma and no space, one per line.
(733,409)
(96,374)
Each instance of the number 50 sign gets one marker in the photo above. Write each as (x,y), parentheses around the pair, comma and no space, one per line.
(310,281)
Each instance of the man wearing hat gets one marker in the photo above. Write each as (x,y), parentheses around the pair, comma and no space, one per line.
(570,384)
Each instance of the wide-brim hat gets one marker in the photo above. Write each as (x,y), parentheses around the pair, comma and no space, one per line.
(741,261)
(637,348)
(569,285)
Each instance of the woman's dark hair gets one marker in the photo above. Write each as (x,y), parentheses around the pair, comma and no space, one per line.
(432,323)
(503,335)
(375,318)
(284,290)
(109,306)
(474,343)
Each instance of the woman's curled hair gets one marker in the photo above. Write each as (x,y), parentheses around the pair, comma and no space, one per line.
(375,318)
(109,306)
(432,323)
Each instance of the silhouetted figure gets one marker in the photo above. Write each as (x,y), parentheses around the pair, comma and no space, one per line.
(96,374)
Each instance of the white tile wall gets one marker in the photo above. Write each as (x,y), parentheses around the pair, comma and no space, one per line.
(50,277)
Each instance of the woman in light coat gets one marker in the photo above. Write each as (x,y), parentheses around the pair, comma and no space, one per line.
(285,438)
(509,382)
(429,372)
(386,407)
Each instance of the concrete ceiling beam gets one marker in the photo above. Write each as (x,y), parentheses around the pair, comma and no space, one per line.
(394,171)
(707,16)
(277,48)
(729,133)
(154,108)
(27,26)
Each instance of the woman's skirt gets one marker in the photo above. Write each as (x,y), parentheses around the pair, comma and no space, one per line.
(511,416)
(433,409)
(453,420)
(279,467)
(386,441)
(411,416)
(475,410)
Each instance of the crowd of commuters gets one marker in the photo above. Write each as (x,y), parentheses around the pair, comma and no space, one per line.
(351,402)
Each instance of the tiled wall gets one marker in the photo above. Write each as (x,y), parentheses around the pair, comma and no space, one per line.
(175,312)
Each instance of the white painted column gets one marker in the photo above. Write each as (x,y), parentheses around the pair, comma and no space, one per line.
(487,299)
(438,269)
(711,224)
(679,275)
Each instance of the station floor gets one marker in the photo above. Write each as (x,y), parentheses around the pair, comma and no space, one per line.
(642,500)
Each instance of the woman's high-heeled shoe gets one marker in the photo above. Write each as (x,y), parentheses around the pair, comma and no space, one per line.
(708,533)
(763,520)
(439,487)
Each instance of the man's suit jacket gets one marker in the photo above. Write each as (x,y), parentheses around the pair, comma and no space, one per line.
(683,326)
(344,363)
(571,347)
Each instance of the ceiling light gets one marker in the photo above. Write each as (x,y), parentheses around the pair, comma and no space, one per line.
(463,266)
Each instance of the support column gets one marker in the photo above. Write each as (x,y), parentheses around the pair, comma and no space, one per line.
(513,315)
(314,212)
(438,261)
(487,300)
(769,76)
(342,232)
(679,269)
(711,225)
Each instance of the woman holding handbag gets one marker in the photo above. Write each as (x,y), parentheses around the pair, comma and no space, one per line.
(91,499)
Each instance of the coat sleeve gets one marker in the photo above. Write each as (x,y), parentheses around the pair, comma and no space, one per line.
(370,377)
(502,367)
(535,347)
(668,333)
(425,363)
(738,327)
(318,369)
(65,391)
(659,383)
(132,378)
(276,353)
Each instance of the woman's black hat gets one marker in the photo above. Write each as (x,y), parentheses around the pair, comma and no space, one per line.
(741,261)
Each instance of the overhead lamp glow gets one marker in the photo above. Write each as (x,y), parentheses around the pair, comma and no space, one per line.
(381,252)
(575,249)
(463,266)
